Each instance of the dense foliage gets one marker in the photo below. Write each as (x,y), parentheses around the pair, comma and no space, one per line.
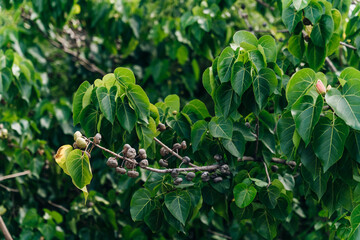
(272,136)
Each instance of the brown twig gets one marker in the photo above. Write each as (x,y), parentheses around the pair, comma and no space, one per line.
(331,65)
(347,45)
(8,189)
(58,206)
(191,169)
(267,174)
(274,160)
(4,229)
(15,175)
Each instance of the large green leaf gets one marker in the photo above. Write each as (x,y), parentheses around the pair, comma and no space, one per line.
(285,130)
(300,4)
(107,102)
(225,63)
(313,11)
(226,100)
(146,133)
(125,115)
(241,77)
(318,183)
(89,119)
(269,196)
(77,101)
(315,55)
(6,78)
(141,204)
(346,103)
(258,59)
(269,46)
(322,31)
(198,133)
(180,125)
(291,18)
(355,223)
(264,224)
(208,81)
(244,194)
(124,76)
(221,127)
(329,140)
(139,100)
(235,145)
(296,46)
(178,203)
(245,37)
(78,166)
(350,73)
(196,110)
(264,85)
(172,102)
(300,84)
(306,113)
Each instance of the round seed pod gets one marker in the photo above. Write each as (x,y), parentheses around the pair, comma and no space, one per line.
(97,138)
(205,176)
(264,24)
(133,174)
(143,156)
(224,168)
(126,147)
(190,176)
(174,112)
(292,164)
(75,145)
(131,153)
(163,163)
(144,163)
(243,6)
(161,127)
(112,162)
(77,134)
(163,151)
(218,157)
(178,181)
(142,151)
(251,28)
(176,146)
(183,145)
(217,179)
(274,168)
(174,173)
(81,143)
(120,170)
(186,160)
(129,165)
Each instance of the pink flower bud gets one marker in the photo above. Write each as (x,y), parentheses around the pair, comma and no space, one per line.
(320,88)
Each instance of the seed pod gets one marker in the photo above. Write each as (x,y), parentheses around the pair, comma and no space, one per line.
(174,173)
(251,28)
(224,168)
(178,181)
(4,132)
(218,157)
(97,138)
(274,168)
(243,6)
(183,145)
(247,124)
(144,163)
(214,175)
(142,151)
(131,153)
(77,134)
(292,164)
(205,176)
(129,165)
(264,24)
(217,179)
(75,145)
(133,174)
(190,176)
(126,147)
(161,127)
(81,143)
(174,112)
(163,163)
(163,151)
(143,156)
(120,170)
(186,160)
(176,146)
(112,162)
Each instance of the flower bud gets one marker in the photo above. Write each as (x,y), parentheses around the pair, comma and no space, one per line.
(328,87)
(320,88)
(77,134)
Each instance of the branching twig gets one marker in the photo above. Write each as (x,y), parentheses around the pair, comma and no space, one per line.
(58,206)
(274,160)
(15,175)
(331,65)
(5,230)
(192,169)
(347,45)
(8,189)
(267,174)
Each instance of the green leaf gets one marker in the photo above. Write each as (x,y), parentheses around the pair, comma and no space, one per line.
(196,110)
(6,78)
(317,184)
(285,130)
(221,127)
(300,84)
(180,125)
(146,133)
(258,59)
(172,102)
(310,161)
(291,18)
(244,194)
(350,73)
(124,76)
(322,31)
(306,113)
(264,224)
(269,196)
(329,140)
(139,100)
(226,100)
(245,37)
(208,81)
(225,62)
(355,223)
(77,101)
(296,46)
(78,166)
(89,119)
(264,85)
(300,4)
(313,11)
(241,77)
(141,204)
(346,103)
(269,46)
(126,115)
(235,145)
(198,133)
(316,56)
(155,220)
(178,203)
(107,102)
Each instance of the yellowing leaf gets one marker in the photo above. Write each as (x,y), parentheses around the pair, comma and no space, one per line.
(61,156)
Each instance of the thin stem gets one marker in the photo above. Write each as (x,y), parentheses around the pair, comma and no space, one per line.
(4,229)
(167,148)
(8,189)
(347,45)
(331,65)
(15,175)
(267,173)
(274,160)
(58,206)
(191,169)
